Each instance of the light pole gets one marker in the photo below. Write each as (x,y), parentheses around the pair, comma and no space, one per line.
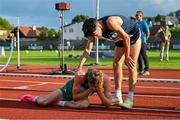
(97,41)
(18,45)
(61,7)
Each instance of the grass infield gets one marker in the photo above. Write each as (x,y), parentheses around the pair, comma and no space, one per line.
(51,58)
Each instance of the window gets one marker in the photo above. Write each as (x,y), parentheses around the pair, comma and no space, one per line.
(70,30)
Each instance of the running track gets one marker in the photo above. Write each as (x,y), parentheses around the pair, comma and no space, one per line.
(159,100)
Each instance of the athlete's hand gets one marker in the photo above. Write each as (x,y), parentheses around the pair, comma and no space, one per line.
(80,72)
(130,62)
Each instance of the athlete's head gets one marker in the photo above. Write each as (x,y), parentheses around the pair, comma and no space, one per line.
(164,26)
(95,77)
(139,15)
(91,28)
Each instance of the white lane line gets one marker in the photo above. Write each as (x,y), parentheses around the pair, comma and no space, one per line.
(27,86)
(157,110)
(144,109)
(72,76)
(134,108)
(62,83)
(137,95)
(158,96)
(150,87)
(4,80)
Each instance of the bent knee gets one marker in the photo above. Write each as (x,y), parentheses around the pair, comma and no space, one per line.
(117,64)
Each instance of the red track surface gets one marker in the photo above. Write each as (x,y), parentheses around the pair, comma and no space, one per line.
(158,100)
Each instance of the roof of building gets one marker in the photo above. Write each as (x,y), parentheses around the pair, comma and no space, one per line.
(28,31)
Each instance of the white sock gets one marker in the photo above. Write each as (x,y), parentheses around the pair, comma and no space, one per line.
(35,98)
(130,95)
(118,94)
(61,103)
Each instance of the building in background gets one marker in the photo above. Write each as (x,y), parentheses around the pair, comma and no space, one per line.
(73,31)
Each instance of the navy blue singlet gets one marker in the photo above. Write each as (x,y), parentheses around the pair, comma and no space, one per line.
(129,26)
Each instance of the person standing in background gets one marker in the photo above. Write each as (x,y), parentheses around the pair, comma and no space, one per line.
(164,35)
(68,45)
(145,35)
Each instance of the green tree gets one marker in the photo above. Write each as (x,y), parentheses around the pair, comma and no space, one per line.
(44,33)
(159,18)
(79,18)
(5,24)
(52,33)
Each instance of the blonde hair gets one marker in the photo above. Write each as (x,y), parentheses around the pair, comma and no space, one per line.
(94,77)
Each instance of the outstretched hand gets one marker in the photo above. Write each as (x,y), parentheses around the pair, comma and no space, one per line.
(79,72)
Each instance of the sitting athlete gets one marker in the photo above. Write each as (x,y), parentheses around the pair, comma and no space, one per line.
(75,92)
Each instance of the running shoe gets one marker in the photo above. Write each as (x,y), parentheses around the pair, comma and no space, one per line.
(127,104)
(140,72)
(117,100)
(145,73)
(28,98)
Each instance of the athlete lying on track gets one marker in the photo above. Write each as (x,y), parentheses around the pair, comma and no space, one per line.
(75,92)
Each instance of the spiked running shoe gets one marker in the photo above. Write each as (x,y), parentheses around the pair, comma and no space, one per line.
(28,98)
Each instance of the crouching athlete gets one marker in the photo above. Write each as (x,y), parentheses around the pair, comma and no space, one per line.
(75,92)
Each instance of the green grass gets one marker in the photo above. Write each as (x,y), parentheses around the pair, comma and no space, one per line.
(51,58)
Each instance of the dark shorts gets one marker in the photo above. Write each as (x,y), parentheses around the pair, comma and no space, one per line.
(133,39)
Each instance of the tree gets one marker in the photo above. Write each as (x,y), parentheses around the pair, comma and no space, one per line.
(44,33)
(79,18)
(52,33)
(5,24)
(159,18)
(48,34)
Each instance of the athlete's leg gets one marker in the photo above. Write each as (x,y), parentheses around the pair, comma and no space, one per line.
(167,51)
(118,71)
(140,64)
(78,104)
(162,51)
(50,98)
(134,53)
(145,57)
(128,103)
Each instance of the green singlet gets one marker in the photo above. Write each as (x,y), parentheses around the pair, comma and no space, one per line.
(68,87)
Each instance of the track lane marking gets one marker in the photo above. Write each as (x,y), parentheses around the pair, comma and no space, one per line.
(72,76)
(27,86)
(62,83)
(117,107)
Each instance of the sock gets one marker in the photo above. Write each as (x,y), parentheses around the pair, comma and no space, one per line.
(35,98)
(130,95)
(118,94)
(61,103)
